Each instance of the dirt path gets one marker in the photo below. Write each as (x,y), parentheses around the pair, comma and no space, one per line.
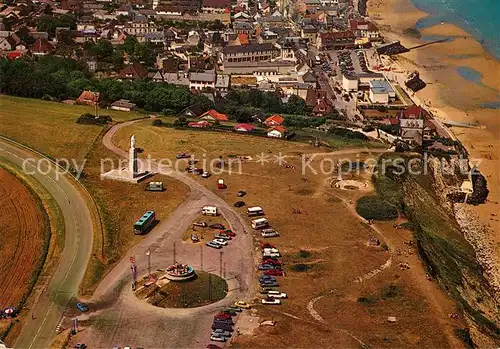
(439,302)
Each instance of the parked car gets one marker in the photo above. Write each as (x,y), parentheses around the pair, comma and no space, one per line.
(236,309)
(276,294)
(206,174)
(217,226)
(224,321)
(222,242)
(213,244)
(212,346)
(271,300)
(228,232)
(200,224)
(82,307)
(182,156)
(195,238)
(198,171)
(80,346)
(241,193)
(267,277)
(271,261)
(265,267)
(231,312)
(275,272)
(269,233)
(239,204)
(222,326)
(269,283)
(267,245)
(219,332)
(241,304)
(222,315)
(218,338)
(222,236)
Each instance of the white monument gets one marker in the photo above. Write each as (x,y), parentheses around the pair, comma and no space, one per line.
(130,173)
(132,158)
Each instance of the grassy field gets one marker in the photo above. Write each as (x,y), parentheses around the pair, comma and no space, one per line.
(51,127)
(324,247)
(120,205)
(193,293)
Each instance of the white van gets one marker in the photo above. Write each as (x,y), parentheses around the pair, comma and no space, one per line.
(209,210)
(255,211)
(260,223)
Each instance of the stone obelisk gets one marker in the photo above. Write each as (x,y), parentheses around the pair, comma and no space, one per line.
(132,158)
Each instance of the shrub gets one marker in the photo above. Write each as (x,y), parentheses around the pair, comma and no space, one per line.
(391,291)
(367,300)
(343,132)
(90,119)
(374,207)
(300,267)
(157,122)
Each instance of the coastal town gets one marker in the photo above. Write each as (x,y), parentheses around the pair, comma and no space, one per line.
(246,240)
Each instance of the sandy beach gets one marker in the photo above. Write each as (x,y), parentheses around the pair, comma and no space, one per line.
(449,95)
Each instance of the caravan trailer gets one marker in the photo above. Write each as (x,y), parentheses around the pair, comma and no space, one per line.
(255,211)
(209,210)
(260,223)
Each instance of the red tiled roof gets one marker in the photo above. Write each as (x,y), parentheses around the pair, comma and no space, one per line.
(414,112)
(42,46)
(214,114)
(274,120)
(14,55)
(217,3)
(134,71)
(243,39)
(246,127)
(280,129)
(199,124)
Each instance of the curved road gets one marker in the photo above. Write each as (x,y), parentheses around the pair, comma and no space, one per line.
(63,285)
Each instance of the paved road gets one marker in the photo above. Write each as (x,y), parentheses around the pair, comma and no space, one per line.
(63,285)
(116,322)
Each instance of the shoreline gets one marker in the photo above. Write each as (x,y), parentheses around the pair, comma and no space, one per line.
(462,78)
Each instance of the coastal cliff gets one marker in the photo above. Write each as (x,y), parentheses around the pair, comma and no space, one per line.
(454,248)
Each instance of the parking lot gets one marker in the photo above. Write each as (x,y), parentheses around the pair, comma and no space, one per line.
(348,62)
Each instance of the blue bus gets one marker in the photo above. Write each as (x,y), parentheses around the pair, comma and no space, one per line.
(144,223)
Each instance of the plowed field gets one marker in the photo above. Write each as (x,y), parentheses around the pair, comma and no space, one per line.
(22,231)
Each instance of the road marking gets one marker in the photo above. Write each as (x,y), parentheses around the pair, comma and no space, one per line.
(73,213)
(40,328)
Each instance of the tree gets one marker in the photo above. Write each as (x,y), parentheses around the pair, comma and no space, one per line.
(202,101)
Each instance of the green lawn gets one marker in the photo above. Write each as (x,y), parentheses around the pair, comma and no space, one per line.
(51,127)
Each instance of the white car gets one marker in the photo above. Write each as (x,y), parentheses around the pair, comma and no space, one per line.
(218,338)
(206,174)
(221,242)
(276,294)
(269,233)
(270,250)
(270,254)
(271,300)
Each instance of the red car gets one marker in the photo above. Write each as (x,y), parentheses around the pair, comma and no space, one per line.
(222,316)
(228,232)
(271,261)
(213,346)
(274,272)
(267,245)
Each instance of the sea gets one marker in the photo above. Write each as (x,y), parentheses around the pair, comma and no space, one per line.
(480,18)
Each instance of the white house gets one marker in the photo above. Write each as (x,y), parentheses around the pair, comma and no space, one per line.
(276,132)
